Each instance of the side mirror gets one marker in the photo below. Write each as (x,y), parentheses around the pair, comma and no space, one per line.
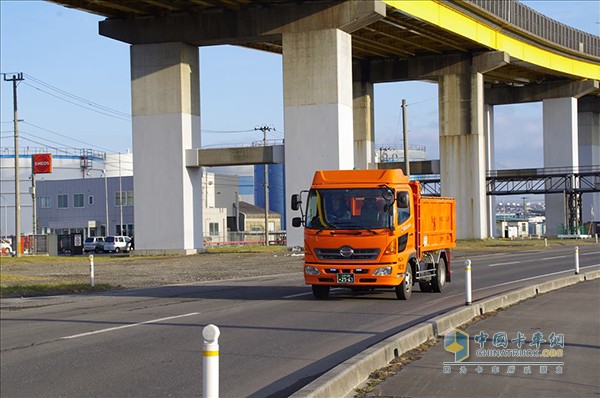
(296,222)
(388,196)
(296,202)
(403,200)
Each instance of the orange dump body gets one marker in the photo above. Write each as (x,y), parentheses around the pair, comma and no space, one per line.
(361,253)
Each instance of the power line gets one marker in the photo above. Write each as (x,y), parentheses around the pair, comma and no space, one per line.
(79,105)
(78,98)
(66,136)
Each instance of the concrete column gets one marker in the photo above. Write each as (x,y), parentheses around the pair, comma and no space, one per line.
(317,86)
(166,121)
(490,164)
(588,118)
(560,150)
(364,119)
(462,149)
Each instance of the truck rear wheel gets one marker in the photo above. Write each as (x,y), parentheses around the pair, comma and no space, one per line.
(425,286)
(320,292)
(404,290)
(439,280)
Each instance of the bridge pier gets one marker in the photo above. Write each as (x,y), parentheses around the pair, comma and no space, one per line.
(165,93)
(363,113)
(462,149)
(560,150)
(317,91)
(588,122)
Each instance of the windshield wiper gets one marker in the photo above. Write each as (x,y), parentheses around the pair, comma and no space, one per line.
(333,233)
(353,225)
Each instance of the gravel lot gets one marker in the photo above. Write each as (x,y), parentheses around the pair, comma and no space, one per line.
(134,272)
(123,271)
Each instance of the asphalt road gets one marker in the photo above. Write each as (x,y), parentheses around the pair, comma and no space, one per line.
(275,338)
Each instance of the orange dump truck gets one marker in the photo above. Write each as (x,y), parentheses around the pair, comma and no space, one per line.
(368,229)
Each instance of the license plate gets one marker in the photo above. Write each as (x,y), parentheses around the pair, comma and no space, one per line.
(345,278)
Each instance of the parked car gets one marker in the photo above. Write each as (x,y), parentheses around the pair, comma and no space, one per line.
(117,244)
(93,243)
(6,248)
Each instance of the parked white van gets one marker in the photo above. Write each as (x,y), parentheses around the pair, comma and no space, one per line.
(117,244)
(93,243)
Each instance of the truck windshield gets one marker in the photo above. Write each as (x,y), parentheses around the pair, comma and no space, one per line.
(361,208)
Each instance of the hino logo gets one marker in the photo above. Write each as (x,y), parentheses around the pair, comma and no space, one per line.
(346,251)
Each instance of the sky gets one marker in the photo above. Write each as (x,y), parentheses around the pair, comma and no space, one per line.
(76,91)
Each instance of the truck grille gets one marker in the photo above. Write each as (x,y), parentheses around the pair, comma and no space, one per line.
(358,254)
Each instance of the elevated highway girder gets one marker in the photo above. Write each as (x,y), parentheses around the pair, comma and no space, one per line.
(333,52)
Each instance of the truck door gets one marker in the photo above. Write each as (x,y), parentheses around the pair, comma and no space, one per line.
(406,227)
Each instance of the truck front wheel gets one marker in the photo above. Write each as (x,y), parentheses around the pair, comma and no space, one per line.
(320,292)
(439,280)
(404,290)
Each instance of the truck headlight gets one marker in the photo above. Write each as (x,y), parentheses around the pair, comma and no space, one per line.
(311,270)
(383,271)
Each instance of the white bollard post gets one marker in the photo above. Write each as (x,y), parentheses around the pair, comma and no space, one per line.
(596,238)
(546,242)
(210,364)
(468,282)
(576,260)
(91,270)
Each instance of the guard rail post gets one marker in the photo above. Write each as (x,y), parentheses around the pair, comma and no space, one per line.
(210,364)
(91,257)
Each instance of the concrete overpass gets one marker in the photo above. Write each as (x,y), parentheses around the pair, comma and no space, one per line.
(480,53)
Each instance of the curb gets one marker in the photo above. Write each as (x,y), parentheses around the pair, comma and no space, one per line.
(342,379)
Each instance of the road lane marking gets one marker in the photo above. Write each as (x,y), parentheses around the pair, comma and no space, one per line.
(129,326)
(534,277)
(553,258)
(511,262)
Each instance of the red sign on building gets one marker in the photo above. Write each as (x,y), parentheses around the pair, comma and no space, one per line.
(42,163)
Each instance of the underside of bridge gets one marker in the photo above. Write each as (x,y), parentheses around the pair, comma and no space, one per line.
(333,52)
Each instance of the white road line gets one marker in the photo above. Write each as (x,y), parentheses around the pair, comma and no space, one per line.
(590,254)
(512,262)
(553,258)
(534,277)
(129,326)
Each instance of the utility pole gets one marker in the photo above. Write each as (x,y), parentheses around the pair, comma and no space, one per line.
(34,207)
(120,196)
(264,129)
(405,133)
(15,79)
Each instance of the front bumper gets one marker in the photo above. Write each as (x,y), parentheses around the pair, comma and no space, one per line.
(364,274)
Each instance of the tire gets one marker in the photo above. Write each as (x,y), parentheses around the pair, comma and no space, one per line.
(404,290)
(97,250)
(439,280)
(320,292)
(425,286)
(117,249)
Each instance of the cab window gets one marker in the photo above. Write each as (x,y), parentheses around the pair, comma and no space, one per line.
(403,201)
